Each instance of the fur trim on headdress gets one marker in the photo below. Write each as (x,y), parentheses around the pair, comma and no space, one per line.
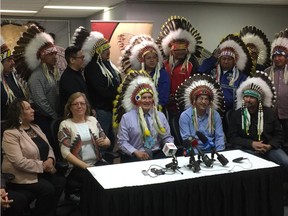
(179,34)
(32,49)
(129,88)
(253,35)
(133,57)
(192,85)
(234,44)
(133,54)
(261,87)
(260,83)
(178,28)
(139,50)
(29,47)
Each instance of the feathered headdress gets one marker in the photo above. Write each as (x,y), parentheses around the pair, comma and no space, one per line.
(280,43)
(193,86)
(30,47)
(133,57)
(93,43)
(6,53)
(254,37)
(233,45)
(130,91)
(196,85)
(179,29)
(90,43)
(280,47)
(11,32)
(261,87)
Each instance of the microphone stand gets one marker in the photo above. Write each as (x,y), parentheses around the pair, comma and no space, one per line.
(224,161)
(174,165)
(194,165)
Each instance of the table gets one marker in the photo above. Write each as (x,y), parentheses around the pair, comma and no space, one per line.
(252,187)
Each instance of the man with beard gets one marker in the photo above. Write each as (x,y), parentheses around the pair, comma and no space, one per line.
(255,127)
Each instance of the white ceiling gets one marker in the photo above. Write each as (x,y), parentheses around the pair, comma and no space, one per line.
(38,5)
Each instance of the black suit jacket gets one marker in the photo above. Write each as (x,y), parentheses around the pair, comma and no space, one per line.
(272,132)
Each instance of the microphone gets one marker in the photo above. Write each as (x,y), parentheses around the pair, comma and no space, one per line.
(169,149)
(188,151)
(207,161)
(224,161)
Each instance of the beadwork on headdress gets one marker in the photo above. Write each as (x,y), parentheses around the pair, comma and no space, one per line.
(130,91)
(30,47)
(261,87)
(196,85)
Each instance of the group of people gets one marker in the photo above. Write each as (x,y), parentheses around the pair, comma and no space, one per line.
(132,107)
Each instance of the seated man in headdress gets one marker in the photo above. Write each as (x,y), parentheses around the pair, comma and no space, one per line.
(205,97)
(143,130)
(255,127)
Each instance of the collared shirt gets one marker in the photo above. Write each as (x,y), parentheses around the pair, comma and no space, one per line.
(130,137)
(187,128)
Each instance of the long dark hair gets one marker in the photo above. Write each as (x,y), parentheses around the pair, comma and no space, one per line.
(13,114)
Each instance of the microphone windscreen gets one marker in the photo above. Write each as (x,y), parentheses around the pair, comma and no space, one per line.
(201,137)
(194,142)
(187,142)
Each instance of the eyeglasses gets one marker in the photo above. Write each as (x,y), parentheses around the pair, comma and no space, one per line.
(79,103)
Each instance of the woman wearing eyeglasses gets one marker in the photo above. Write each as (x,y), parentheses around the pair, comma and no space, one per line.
(81,138)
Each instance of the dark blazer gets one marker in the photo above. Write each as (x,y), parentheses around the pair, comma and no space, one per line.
(272,132)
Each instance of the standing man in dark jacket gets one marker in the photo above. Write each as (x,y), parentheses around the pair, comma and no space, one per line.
(72,79)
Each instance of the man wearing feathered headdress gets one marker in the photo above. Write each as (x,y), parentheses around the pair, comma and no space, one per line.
(228,65)
(11,87)
(180,44)
(143,130)
(101,75)
(279,74)
(258,46)
(202,96)
(254,126)
(35,57)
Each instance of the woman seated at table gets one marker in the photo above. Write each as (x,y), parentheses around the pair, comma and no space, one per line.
(81,138)
(28,155)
